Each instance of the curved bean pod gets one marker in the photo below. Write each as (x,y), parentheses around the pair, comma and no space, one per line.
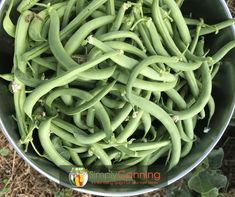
(44,137)
(78,37)
(121,34)
(166,120)
(179,21)
(66,78)
(145,63)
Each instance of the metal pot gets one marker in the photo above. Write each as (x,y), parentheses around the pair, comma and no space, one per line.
(223,90)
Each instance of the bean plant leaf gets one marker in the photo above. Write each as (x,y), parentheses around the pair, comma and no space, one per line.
(4,152)
(183,192)
(4,191)
(206,181)
(212,193)
(216,158)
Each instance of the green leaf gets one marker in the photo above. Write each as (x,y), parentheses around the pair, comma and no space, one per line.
(206,181)
(182,192)
(202,167)
(4,191)
(212,193)
(68,192)
(216,158)
(4,181)
(4,152)
(59,194)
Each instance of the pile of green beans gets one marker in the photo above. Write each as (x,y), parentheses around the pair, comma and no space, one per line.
(109,82)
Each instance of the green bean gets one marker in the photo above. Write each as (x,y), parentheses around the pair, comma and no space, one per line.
(183,136)
(157,18)
(67,13)
(161,50)
(208,29)
(148,145)
(202,99)
(101,30)
(126,48)
(188,123)
(101,154)
(90,119)
(26,5)
(60,81)
(121,116)
(78,37)
(26,79)
(122,60)
(97,14)
(121,34)
(46,25)
(143,32)
(196,38)
(113,104)
(58,144)
(191,21)
(77,149)
(45,63)
(143,84)
(80,6)
(215,70)
(76,22)
(120,16)
(131,126)
(222,52)
(111,7)
(77,118)
(155,37)
(167,20)
(169,103)
(112,155)
(55,43)
(64,135)
(156,155)
(93,101)
(101,113)
(188,54)
(8,25)
(127,163)
(44,137)
(7,77)
(179,21)
(111,83)
(17,86)
(35,28)
(166,120)
(176,98)
(75,157)
(146,62)
(211,107)
(90,160)
(80,136)
(128,22)
(189,130)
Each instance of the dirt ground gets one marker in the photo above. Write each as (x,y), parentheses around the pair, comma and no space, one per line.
(21,180)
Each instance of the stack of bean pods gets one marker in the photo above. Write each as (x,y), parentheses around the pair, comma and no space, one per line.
(111,82)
